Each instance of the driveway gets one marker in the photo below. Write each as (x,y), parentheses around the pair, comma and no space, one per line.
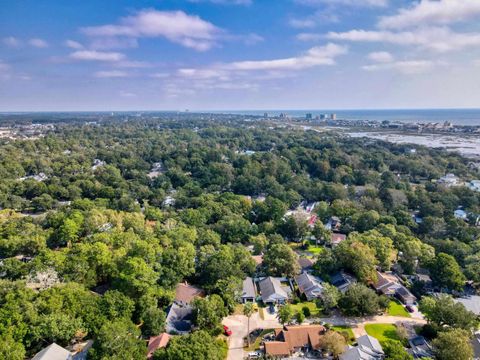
(238,325)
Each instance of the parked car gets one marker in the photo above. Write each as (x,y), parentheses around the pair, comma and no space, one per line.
(254,355)
(226,330)
(410,308)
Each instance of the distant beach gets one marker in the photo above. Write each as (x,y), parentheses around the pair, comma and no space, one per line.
(466,145)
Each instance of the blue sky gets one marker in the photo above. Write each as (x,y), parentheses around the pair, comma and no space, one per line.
(238,54)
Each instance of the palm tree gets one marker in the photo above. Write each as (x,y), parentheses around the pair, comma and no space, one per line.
(248,311)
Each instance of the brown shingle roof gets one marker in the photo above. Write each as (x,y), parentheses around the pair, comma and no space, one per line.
(185,293)
(277,348)
(157,342)
(292,337)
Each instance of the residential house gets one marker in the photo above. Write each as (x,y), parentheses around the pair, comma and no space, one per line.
(460,214)
(368,348)
(420,348)
(179,319)
(157,342)
(471,303)
(53,352)
(333,224)
(291,339)
(186,293)
(474,185)
(337,238)
(272,291)
(309,285)
(449,180)
(389,284)
(249,294)
(342,281)
(305,264)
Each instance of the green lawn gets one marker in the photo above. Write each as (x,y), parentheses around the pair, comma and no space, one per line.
(347,329)
(382,332)
(315,250)
(397,309)
(311,305)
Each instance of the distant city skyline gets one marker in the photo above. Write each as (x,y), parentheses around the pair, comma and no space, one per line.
(120,55)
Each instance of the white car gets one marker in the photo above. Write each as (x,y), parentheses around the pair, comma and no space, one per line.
(254,355)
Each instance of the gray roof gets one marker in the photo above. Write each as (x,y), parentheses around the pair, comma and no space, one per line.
(471,303)
(309,285)
(271,290)
(368,349)
(370,342)
(248,288)
(53,352)
(179,319)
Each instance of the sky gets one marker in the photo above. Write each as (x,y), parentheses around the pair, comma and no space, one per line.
(92,55)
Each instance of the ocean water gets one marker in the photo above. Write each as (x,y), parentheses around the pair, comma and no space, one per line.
(456,116)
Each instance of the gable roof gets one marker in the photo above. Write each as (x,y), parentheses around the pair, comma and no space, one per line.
(53,352)
(370,342)
(309,285)
(271,289)
(157,342)
(248,290)
(185,293)
(305,263)
(293,337)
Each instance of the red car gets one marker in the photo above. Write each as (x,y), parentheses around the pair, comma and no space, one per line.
(226,330)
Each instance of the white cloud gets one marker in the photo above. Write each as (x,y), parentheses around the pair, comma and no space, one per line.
(38,43)
(476,62)
(111,74)
(405,67)
(73,44)
(427,12)
(357,3)
(381,56)
(132,64)
(305,23)
(11,41)
(187,30)
(93,55)
(440,39)
(106,43)
(310,37)
(316,56)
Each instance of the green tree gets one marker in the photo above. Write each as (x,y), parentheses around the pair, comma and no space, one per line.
(281,260)
(453,345)
(199,345)
(300,317)
(11,349)
(394,350)
(330,297)
(285,314)
(209,312)
(359,300)
(446,272)
(443,311)
(118,340)
(248,311)
(333,343)
(358,258)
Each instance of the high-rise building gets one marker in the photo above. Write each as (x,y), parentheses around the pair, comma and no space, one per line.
(308,116)
(265,115)
(333,116)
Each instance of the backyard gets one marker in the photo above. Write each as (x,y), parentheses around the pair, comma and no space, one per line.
(314,310)
(345,329)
